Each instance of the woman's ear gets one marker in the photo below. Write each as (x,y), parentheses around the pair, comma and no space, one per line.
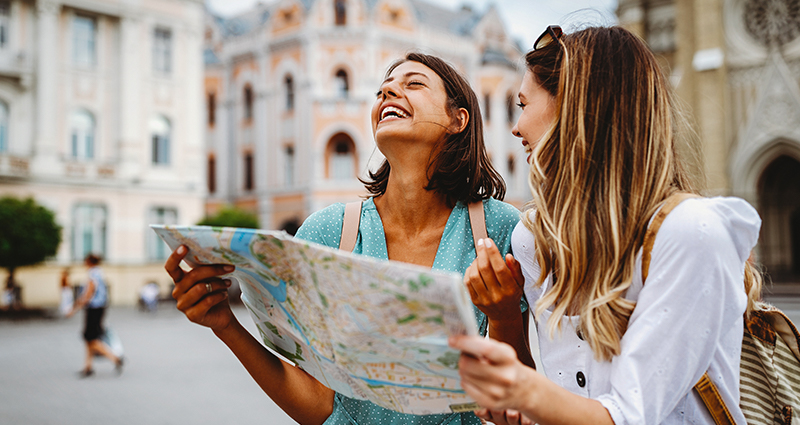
(460,121)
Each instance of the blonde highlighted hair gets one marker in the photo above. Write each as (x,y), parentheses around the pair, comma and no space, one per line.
(599,174)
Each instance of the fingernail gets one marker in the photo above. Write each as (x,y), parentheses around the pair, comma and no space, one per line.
(228,283)
(480,242)
(488,243)
(228,268)
(181,250)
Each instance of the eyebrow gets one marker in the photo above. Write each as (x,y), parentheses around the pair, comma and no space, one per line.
(407,74)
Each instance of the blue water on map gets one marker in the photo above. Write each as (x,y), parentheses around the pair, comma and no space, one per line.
(240,244)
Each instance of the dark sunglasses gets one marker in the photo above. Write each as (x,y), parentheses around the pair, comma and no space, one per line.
(551,34)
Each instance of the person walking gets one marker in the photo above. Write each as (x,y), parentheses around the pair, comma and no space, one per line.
(94,298)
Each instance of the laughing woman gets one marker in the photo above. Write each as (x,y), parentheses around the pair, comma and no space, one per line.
(427,123)
(624,332)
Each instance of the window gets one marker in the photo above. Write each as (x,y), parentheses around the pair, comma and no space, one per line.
(340,9)
(84,32)
(212,109)
(212,174)
(5,22)
(3,127)
(288,172)
(88,230)
(342,86)
(160,135)
(487,106)
(157,249)
(82,135)
(162,51)
(511,165)
(248,171)
(341,156)
(288,83)
(248,102)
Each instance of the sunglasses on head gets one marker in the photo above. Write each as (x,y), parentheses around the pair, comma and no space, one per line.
(551,34)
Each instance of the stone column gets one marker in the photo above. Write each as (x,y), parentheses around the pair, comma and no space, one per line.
(46,145)
(133,138)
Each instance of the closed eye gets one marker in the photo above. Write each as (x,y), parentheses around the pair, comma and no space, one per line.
(521,105)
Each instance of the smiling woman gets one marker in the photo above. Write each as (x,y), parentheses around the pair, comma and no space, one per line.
(427,124)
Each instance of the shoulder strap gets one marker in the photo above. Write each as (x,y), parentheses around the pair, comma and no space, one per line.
(705,387)
(352,218)
(477,221)
(650,235)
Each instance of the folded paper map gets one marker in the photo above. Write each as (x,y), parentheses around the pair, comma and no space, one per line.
(369,329)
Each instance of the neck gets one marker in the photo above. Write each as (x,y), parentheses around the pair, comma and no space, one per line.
(408,205)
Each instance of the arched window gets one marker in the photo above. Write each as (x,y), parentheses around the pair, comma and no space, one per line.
(288,84)
(248,102)
(82,135)
(779,206)
(340,9)
(341,83)
(212,109)
(487,106)
(341,154)
(3,127)
(160,130)
(511,165)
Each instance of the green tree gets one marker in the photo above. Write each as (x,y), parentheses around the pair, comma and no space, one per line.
(231,217)
(28,233)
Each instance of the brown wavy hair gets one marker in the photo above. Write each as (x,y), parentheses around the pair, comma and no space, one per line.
(460,169)
(597,176)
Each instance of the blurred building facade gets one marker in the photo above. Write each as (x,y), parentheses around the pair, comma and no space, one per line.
(736,64)
(289,87)
(100,121)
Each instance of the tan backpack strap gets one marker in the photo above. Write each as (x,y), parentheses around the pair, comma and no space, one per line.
(713,400)
(352,218)
(705,388)
(477,221)
(650,235)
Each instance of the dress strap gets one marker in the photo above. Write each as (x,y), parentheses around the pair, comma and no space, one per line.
(477,221)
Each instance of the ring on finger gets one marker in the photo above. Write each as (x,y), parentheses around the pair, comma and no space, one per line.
(209,288)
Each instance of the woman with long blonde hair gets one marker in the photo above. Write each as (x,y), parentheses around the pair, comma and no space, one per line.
(599,122)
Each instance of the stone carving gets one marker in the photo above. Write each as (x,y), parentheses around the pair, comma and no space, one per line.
(772,22)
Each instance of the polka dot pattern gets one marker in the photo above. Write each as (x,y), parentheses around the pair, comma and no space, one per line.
(456,252)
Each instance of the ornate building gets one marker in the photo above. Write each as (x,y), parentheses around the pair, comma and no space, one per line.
(736,64)
(100,121)
(289,87)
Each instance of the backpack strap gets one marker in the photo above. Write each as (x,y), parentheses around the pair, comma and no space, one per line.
(652,229)
(352,219)
(477,221)
(705,387)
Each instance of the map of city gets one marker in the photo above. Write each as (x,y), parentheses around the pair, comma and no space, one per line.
(366,328)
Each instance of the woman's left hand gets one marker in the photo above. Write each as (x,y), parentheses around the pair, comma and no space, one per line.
(495,283)
(491,373)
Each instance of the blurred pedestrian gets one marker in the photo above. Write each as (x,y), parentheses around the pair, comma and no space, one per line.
(148,297)
(95,298)
(67,297)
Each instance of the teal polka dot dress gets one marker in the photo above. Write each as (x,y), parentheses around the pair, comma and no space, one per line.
(456,252)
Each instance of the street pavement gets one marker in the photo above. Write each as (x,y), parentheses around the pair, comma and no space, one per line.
(175,373)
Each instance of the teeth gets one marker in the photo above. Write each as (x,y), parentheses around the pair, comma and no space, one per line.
(391,109)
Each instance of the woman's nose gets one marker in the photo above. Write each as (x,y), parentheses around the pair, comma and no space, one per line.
(515,132)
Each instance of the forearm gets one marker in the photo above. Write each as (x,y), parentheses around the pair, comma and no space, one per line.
(514,332)
(301,396)
(546,403)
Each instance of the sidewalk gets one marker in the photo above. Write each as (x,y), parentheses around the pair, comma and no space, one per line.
(175,373)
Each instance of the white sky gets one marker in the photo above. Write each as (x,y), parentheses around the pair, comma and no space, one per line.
(526,19)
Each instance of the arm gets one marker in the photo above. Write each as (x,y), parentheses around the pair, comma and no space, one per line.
(85,297)
(300,395)
(495,285)
(497,380)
